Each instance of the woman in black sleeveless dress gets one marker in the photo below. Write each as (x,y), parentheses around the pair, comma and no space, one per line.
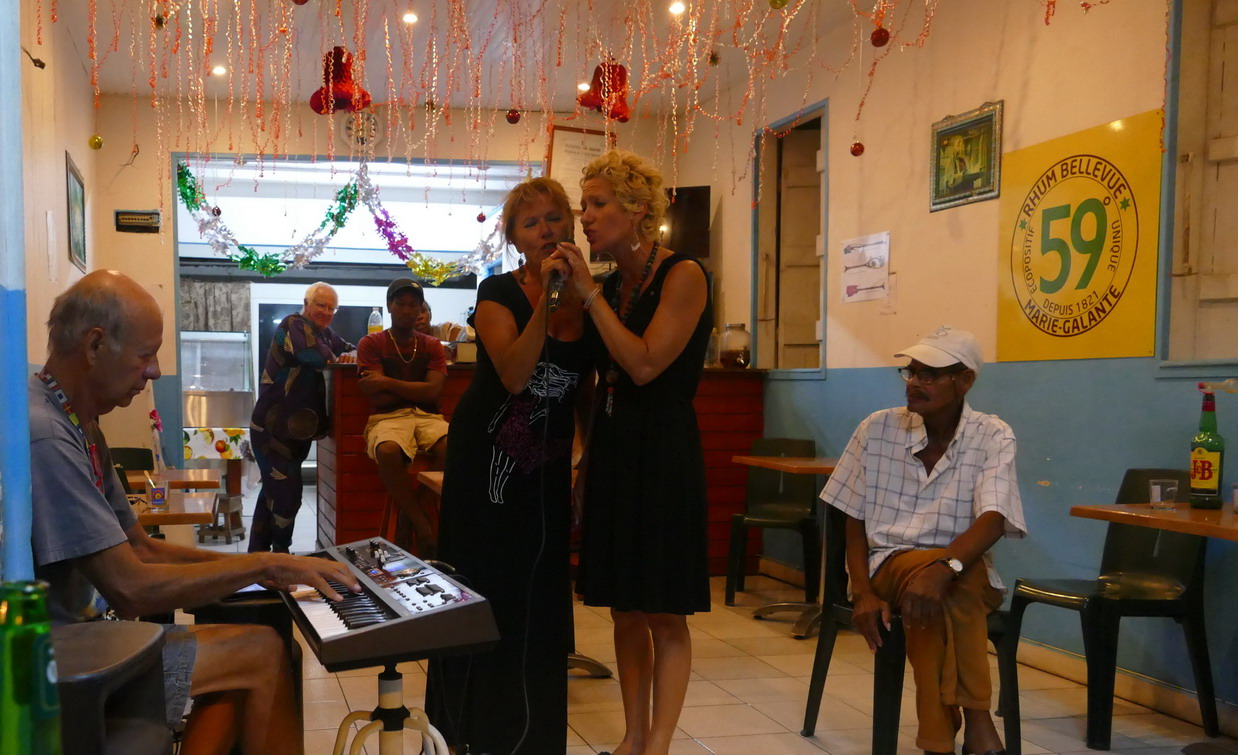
(643,550)
(507,495)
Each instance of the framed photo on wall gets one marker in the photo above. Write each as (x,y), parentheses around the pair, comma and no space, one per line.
(965,162)
(571,149)
(75,194)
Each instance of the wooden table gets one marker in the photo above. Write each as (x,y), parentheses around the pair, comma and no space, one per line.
(183,508)
(810,613)
(1218,523)
(185,479)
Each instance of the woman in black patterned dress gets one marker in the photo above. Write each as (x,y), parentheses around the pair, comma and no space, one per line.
(507,494)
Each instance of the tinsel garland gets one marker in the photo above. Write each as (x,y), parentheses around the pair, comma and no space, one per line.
(211,228)
(360,190)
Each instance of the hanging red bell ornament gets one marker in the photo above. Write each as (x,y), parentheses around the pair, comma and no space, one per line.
(339,91)
(880,36)
(299,2)
(778,4)
(857,149)
(481,217)
(513,116)
(608,92)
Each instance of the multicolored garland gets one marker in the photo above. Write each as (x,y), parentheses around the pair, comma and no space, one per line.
(358,191)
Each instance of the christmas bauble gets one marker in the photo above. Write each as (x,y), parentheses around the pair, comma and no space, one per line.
(857,148)
(216,211)
(778,4)
(513,116)
(880,36)
(95,141)
(481,217)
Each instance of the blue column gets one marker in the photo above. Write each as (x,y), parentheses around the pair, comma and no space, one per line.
(14,422)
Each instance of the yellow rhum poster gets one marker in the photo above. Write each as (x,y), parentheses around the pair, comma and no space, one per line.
(1078,244)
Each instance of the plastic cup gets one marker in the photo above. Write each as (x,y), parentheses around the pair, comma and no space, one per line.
(157,496)
(1162,493)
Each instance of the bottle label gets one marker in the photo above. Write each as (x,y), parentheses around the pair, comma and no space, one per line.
(45,703)
(1205,471)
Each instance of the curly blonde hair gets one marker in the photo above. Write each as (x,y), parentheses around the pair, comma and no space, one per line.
(528,191)
(636,183)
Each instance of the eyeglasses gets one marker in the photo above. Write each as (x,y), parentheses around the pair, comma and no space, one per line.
(325,307)
(928,374)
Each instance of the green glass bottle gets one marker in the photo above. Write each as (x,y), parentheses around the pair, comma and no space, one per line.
(1207,459)
(29,704)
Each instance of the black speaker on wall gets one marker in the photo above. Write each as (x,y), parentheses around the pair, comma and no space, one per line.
(687,220)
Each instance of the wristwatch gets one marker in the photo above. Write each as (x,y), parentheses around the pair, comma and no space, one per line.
(955,565)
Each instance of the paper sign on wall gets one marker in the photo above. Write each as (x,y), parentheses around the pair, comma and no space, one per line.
(1078,244)
(866,267)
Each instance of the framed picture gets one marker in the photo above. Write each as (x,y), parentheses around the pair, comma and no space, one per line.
(571,149)
(965,162)
(75,194)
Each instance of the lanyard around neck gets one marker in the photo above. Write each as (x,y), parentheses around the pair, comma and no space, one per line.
(92,449)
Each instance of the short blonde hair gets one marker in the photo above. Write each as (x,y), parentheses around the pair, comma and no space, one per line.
(636,183)
(529,191)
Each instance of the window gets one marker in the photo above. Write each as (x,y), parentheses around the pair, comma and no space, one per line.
(790,253)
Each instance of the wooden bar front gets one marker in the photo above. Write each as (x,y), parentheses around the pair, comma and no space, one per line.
(730,406)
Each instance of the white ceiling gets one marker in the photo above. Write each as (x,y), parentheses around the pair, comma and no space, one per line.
(560,42)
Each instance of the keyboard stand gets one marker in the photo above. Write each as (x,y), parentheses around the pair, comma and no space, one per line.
(390,719)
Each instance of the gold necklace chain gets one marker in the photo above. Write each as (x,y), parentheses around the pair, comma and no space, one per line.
(412,356)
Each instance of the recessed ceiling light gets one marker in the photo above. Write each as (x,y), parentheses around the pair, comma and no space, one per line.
(677,8)
(410,18)
(583,86)
(219,71)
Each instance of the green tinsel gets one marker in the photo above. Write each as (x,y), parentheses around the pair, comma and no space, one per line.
(187,186)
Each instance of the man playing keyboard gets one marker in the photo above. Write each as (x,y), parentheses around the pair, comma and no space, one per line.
(104,337)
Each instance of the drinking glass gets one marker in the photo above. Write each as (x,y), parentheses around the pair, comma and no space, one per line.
(1162,493)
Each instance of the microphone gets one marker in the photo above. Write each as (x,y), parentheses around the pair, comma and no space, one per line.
(557,282)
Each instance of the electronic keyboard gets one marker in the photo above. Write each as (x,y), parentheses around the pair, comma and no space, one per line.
(407,610)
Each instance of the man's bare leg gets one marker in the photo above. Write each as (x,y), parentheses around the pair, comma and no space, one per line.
(250,664)
(393,470)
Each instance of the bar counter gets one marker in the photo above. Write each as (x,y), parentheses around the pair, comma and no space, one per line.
(730,407)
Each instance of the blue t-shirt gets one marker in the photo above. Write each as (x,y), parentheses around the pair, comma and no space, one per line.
(72,517)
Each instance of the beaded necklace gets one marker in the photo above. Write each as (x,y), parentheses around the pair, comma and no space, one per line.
(412,356)
(92,449)
(612,374)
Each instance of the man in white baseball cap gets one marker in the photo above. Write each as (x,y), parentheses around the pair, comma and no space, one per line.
(927,490)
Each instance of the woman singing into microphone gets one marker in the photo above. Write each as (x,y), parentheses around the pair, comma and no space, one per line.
(643,551)
(507,493)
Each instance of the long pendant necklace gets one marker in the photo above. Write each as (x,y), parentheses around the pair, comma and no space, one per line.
(612,374)
(412,356)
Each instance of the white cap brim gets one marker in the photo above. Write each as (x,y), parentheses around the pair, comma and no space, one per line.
(930,356)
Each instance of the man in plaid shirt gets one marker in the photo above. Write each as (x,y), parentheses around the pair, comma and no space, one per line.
(927,490)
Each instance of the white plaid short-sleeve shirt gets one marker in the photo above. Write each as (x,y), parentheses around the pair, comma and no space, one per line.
(880,481)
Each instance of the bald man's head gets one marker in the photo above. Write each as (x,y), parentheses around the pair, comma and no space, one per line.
(104,299)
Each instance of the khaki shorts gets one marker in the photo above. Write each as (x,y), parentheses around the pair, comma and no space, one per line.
(412,429)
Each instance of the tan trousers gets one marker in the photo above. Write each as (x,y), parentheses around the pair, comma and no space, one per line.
(949,658)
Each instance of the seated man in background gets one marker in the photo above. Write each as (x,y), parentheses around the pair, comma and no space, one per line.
(402,374)
(927,490)
(444,331)
(104,337)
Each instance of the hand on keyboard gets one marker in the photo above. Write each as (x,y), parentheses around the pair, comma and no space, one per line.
(285,572)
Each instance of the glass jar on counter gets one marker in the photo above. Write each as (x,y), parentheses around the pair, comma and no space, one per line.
(736,347)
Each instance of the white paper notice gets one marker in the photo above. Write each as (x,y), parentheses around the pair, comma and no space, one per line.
(866,267)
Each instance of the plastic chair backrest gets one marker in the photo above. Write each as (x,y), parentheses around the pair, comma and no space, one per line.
(771,486)
(1159,554)
(133,458)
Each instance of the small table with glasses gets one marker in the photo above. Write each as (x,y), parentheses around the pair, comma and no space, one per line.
(810,613)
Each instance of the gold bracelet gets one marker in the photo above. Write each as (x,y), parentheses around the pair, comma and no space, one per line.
(592,295)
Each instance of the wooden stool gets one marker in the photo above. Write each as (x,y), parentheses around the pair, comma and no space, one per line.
(390,527)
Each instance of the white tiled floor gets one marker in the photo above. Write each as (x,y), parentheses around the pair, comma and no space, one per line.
(749,684)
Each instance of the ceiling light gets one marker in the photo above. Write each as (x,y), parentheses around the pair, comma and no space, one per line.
(219,71)
(410,18)
(583,86)
(677,8)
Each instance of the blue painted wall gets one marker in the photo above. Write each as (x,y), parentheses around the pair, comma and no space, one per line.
(1079,425)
